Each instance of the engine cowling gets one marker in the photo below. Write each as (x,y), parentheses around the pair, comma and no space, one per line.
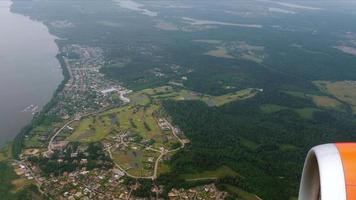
(329,173)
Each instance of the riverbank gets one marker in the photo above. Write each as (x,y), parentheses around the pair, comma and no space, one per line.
(29,70)
(17,143)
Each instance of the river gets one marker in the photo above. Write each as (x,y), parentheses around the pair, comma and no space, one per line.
(29,70)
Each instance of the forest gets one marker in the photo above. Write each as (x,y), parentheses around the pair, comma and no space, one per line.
(266,148)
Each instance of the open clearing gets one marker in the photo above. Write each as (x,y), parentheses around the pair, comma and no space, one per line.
(211,174)
(91,129)
(138,162)
(5,152)
(347,49)
(306,113)
(343,90)
(240,193)
(20,183)
(220,52)
(323,101)
(168,92)
(135,119)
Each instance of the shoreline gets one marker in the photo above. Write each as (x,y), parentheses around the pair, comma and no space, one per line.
(17,142)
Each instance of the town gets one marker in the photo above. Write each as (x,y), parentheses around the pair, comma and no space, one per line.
(101,134)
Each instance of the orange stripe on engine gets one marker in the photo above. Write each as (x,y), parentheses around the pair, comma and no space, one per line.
(348,156)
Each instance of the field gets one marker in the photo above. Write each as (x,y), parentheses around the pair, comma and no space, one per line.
(136,161)
(243,195)
(5,152)
(139,99)
(11,186)
(136,119)
(168,92)
(91,129)
(36,134)
(344,91)
(220,52)
(271,108)
(319,99)
(323,101)
(2,156)
(306,113)
(210,174)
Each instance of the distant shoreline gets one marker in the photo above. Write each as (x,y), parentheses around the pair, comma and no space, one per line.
(17,143)
(44,63)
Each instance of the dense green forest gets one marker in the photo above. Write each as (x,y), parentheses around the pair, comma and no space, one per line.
(267,149)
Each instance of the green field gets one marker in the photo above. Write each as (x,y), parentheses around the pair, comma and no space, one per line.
(34,141)
(91,129)
(13,187)
(211,174)
(306,113)
(344,91)
(135,161)
(271,108)
(139,98)
(168,92)
(240,193)
(5,152)
(164,168)
(248,143)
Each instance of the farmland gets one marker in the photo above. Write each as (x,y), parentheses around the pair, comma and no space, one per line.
(221,172)
(179,94)
(344,91)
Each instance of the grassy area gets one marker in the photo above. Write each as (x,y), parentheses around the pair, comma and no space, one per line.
(5,152)
(248,143)
(228,98)
(20,183)
(7,175)
(139,99)
(168,92)
(241,194)
(218,173)
(342,90)
(163,168)
(306,113)
(296,94)
(136,162)
(324,101)
(91,129)
(271,108)
(319,98)
(13,187)
(2,156)
(287,147)
(34,141)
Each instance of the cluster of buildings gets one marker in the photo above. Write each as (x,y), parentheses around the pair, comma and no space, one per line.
(22,170)
(87,89)
(205,192)
(94,185)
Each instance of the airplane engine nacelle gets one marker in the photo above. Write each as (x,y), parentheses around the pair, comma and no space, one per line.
(329,173)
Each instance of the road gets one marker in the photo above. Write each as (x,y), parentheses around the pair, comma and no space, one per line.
(122,169)
(162,152)
(71,121)
(38,182)
(55,135)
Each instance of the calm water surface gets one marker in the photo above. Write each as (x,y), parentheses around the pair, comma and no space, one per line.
(29,71)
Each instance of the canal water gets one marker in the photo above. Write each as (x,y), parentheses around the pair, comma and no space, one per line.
(29,70)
